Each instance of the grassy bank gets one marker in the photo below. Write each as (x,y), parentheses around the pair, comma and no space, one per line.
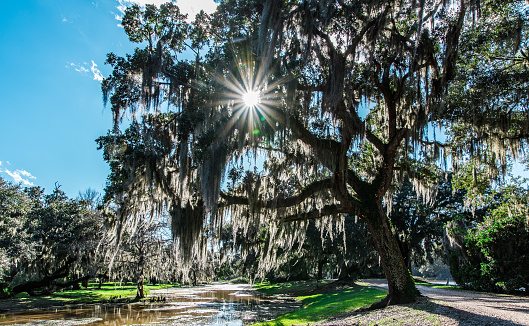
(320,301)
(109,292)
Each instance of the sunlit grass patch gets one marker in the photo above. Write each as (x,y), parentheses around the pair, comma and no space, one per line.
(92,294)
(436,286)
(288,287)
(109,292)
(319,307)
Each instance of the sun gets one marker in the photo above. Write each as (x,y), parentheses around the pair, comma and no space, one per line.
(251,98)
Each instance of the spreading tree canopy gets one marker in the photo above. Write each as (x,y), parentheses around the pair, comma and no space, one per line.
(330,102)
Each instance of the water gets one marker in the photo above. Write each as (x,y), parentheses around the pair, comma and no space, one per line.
(225,304)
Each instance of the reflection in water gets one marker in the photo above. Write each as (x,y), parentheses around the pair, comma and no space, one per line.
(203,306)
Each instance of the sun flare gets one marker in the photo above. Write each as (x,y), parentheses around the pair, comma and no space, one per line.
(251,98)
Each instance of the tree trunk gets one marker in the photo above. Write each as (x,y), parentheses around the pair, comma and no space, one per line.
(84,282)
(140,294)
(194,277)
(406,252)
(401,287)
(344,271)
(321,262)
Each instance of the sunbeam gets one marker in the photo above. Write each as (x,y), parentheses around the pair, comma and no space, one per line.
(252,97)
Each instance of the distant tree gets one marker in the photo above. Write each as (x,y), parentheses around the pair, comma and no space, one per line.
(91,197)
(64,235)
(143,255)
(15,244)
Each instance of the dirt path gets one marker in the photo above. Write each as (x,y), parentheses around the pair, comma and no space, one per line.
(468,308)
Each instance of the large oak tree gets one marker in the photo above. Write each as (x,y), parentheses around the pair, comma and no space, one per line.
(337,97)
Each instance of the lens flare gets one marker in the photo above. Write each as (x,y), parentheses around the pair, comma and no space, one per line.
(252,96)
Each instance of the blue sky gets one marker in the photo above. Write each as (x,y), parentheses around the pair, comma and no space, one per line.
(52,61)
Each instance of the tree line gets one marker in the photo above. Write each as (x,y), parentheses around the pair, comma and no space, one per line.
(50,243)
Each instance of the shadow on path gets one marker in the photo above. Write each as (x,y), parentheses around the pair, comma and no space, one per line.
(476,307)
(462,316)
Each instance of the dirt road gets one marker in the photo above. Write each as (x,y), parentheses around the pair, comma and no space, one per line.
(491,309)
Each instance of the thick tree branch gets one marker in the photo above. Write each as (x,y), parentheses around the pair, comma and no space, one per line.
(319,213)
(307,192)
(351,48)
(452,42)
(301,132)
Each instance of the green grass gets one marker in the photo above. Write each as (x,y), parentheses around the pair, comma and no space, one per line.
(437,286)
(319,307)
(288,287)
(89,295)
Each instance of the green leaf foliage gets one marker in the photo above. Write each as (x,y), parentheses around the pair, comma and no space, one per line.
(496,250)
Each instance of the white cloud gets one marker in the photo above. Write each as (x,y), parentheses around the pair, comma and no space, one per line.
(190,7)
(97,74)
(77,67)
(20,176)
(193,7)
(83,69)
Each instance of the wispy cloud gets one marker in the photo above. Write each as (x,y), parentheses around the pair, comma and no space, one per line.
(83,69)
(97,74)
(77,67)
(19,176)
